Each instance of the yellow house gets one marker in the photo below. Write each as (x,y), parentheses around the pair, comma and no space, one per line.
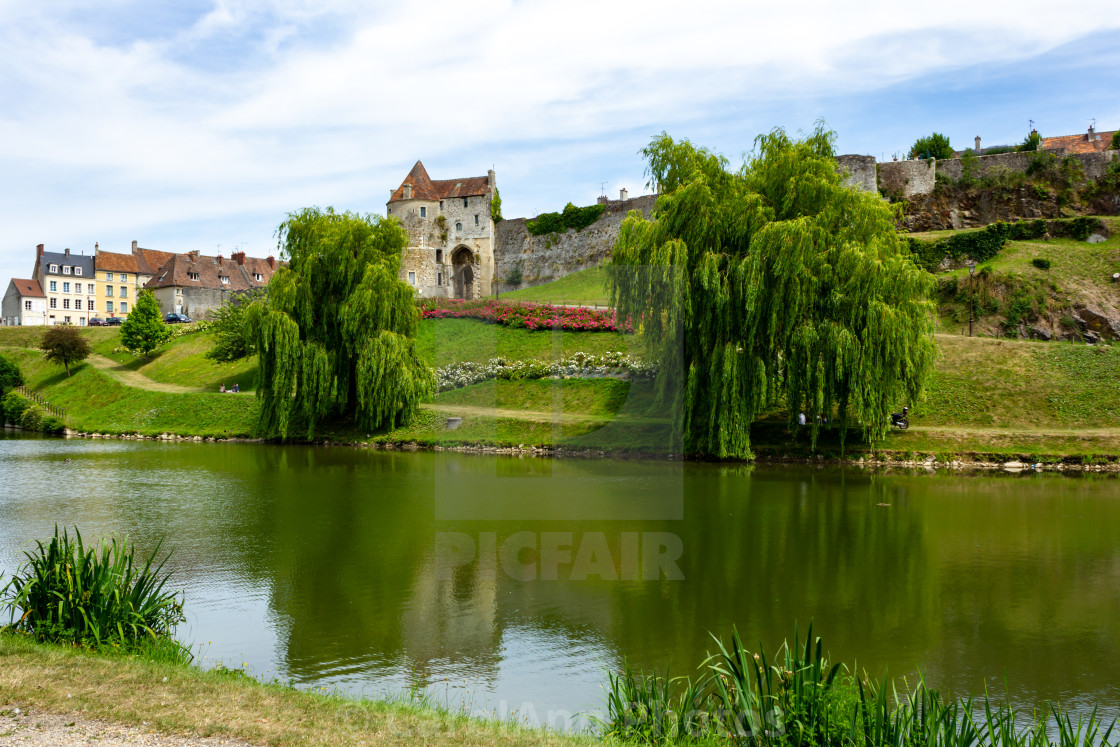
(120,277)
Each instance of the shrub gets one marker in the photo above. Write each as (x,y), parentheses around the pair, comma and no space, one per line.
(572,217)
(514,277)
(933,146)
(231,339)
(10,375)
(1115,145)
(1031,142)
(534,316)
(979,245)
(1040,263)
(31,419)
(14,405)
(969,166)
(51,424)
(144,329)
(65,592)
(1025,230)
(496,207)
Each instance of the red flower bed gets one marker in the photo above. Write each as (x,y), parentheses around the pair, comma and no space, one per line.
(523,314)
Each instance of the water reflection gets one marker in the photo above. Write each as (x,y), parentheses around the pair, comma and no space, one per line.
(324,565)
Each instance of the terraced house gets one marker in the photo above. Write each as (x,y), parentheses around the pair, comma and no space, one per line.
(120,277)
(194,284)
(67,280)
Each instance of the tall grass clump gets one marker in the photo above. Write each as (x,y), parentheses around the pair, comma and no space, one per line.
(799,699)
(95,596)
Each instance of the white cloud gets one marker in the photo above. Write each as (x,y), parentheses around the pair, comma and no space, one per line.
(242,107)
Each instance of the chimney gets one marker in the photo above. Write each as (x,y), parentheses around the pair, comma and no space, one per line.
(96,249)
(603,200)
(39,250)
(192,255)
(134,246)
(623,194)
(67,251)
(407,191)
(271,262)
(219,260)
(491,179)
(238,257)
(977,144)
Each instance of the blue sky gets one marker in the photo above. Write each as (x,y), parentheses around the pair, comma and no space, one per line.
(201,124)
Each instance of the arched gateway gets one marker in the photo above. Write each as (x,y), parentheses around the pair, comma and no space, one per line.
(462,267)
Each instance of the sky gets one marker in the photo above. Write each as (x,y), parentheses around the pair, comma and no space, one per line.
(201,124)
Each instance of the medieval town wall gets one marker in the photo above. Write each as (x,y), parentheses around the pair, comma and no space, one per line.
(543,259)
(860,171)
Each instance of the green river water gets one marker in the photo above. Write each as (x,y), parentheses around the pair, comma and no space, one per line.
(512,584)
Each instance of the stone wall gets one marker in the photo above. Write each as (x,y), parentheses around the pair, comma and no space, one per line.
(860,170)
(907,178)
(428,262)
(550,257)
(1094,164)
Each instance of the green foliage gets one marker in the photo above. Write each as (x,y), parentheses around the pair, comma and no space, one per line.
(10,375)
(798,698)
(772,282)
(231,339)
(66,592)
(336,336)
(932,146)
(1040,263)
(1031,142)
(572,217)
(31,419)
(970,164)
(64,344)
(51,424)
(14,406)
(514,277)
(1115,144)
(144,330)
(984,244)
(496,207)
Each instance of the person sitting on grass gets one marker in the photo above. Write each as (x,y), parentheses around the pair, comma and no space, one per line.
(222,389)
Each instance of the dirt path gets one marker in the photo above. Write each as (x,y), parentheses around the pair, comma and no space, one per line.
(35,727)
(135,378)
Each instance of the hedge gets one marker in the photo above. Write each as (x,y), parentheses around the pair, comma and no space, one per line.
(572,217)
(986,243)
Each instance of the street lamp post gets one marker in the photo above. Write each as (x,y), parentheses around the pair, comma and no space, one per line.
(971,272)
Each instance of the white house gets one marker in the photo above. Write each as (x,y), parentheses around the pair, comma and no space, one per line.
(24,304)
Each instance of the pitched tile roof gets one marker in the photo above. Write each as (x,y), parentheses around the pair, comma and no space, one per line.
(1078,143)
(28,288)
(424,188)
(148,261)
(114,262)
(240,270)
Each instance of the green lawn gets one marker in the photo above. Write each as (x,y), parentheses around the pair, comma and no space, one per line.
(445,341)
(184,362)
(585,287)
(97,403)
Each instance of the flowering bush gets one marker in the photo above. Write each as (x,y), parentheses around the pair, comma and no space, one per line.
(614,365)
(532,316)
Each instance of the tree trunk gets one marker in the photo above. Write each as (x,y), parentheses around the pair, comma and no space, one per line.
(66,365)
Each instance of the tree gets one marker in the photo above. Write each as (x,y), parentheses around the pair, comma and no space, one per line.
(231,339)
(337,334)
(1115,141)
(934,146)
(1031,142)
(64,344)
(10,375)
(144,330)
(495,207)
(774,282)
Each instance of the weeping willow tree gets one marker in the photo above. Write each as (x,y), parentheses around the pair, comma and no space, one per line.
(774,283)
(336,334)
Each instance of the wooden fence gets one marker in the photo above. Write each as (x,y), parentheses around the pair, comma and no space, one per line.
(58,412)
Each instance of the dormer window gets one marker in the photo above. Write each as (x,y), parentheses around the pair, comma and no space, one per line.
(224,279)
(77,270)
(192,275)
(54,269)
(66,269)
(258,277)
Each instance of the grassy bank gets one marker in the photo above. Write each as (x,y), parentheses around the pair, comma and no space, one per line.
(184,699)
(585,287)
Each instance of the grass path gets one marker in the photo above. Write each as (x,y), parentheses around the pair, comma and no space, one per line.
(135,378)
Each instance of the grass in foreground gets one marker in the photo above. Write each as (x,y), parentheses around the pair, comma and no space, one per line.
(176,698)
(585,287)
(445,341)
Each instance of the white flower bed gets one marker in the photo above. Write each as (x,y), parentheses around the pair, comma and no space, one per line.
(613,365)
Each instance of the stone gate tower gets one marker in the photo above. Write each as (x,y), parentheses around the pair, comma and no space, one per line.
(451,237)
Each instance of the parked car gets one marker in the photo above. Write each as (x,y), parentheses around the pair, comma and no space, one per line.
(177,319)
(95,322)
(113,321)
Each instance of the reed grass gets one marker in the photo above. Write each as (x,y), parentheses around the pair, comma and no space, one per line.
(800,699)
(66,592)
